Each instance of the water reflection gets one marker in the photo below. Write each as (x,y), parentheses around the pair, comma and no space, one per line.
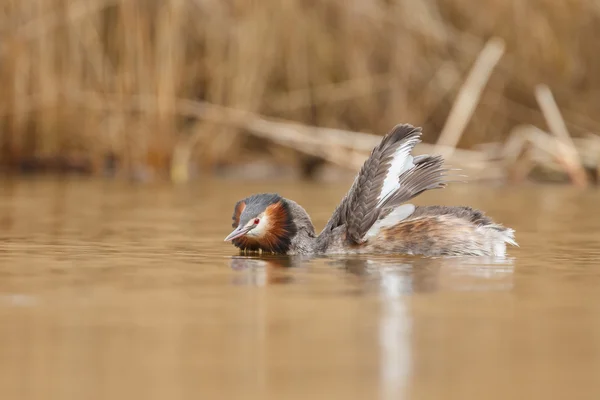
(135,295)
(263,270)
(263,261)
(394,276)
(395,328)
(390,281)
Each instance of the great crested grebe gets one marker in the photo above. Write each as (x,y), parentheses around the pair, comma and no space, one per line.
(373,217)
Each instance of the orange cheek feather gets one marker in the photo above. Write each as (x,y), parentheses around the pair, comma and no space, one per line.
(276,217)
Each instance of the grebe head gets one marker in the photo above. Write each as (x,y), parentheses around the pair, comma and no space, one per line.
(262,222)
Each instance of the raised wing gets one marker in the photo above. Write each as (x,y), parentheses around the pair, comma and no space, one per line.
(389,177)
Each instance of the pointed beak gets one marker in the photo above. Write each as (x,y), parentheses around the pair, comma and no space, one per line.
(239,231)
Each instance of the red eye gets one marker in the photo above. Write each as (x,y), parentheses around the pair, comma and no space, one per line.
(256,221)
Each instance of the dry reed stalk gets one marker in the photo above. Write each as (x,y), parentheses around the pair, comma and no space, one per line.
(46,66)
(329,93)
(347,65)
(520,136)
(285,133)
(469,94)
(528,147)
(588,148)
(344,148)
(45,23)
(567,152)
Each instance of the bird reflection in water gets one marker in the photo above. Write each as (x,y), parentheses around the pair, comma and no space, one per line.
(264,270)
(400,275)
(391,280)
(406,275)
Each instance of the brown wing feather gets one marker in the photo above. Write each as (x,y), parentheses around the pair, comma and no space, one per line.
(360,209)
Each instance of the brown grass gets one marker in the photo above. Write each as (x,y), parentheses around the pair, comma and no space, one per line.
(85,79)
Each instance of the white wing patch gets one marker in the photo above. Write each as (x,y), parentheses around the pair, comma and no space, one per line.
(399,214)
(402,161)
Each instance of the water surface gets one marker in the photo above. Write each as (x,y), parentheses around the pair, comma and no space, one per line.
(117,291)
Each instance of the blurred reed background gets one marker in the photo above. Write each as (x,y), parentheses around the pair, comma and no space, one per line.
(165,88)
